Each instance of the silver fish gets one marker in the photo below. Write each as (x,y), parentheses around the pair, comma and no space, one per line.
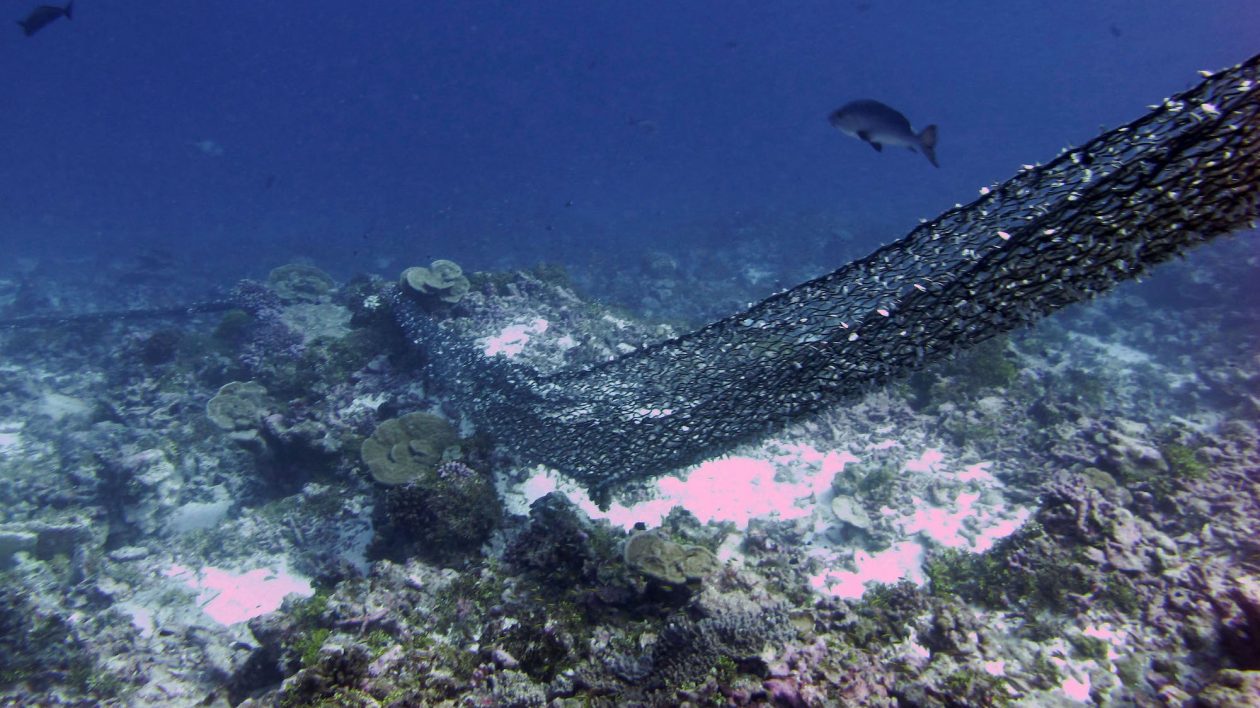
(880,125)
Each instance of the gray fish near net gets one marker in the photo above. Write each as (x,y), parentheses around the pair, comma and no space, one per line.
(1052,235)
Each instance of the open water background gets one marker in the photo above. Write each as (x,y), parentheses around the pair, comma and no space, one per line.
(230,137)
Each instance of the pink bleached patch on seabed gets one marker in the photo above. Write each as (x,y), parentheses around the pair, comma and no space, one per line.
(1108,634)
(946,526)
(512,340)
(942,525)
(926,462)
(902,560)
(978,472)
(812,466)
(736,489)
(793,453)
(230,599)
(1076,689)
(1000,530)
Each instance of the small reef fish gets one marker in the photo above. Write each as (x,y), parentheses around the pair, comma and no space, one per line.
(880,125)
(209,147)
(44,15)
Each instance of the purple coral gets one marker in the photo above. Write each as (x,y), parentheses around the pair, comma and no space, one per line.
(257,299)
(268,337)
(455,471)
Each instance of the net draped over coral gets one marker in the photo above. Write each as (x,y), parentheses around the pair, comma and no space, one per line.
(1052,235)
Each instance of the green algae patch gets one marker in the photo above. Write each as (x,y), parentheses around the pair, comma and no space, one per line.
(1047,576)
(1182,461)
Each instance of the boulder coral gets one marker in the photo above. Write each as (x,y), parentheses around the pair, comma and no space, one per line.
(659,558)
(404,449)
(442,283)
(238,406)
(298,282)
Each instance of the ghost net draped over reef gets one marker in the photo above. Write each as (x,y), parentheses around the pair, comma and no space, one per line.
(1052,235)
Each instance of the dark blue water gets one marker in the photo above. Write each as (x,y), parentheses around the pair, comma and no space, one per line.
(236,136)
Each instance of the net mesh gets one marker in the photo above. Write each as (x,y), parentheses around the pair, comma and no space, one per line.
(1052,235)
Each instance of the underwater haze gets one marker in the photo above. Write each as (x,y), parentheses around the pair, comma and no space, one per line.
(242,135)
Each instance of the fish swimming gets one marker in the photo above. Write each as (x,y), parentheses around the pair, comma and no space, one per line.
(44,15)
(880,125)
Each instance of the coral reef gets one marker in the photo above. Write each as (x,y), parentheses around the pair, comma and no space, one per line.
(1130,577)
(147,555)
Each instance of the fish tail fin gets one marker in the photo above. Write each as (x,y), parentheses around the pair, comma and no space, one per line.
(68,9)
(927,143)
(25,30)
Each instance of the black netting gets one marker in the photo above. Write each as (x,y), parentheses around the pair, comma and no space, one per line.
(1052,235)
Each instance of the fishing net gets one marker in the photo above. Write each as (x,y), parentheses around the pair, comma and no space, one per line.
(1052,235)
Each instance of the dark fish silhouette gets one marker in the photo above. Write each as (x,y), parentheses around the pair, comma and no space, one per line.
(880,125)
(44,15)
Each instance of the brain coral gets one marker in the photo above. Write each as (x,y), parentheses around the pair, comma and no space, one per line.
(403,449)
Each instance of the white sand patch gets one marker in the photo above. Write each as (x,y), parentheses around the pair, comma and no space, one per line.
(10,443)
(1113,351)
(367,403)
(194,516)
(141,618)
(617,322)
(59,406)
(229,598)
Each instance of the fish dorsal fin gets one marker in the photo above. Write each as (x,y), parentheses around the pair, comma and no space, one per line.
(865,136)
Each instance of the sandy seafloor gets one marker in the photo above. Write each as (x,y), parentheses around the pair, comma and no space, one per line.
(1067,515)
